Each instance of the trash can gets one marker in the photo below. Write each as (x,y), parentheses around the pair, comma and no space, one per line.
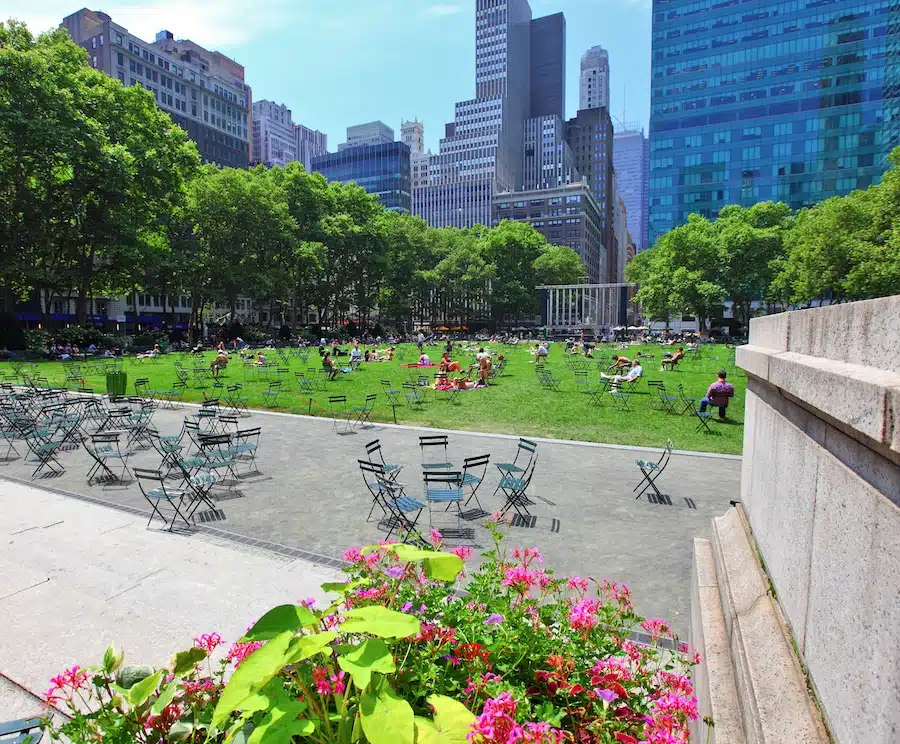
(116,382)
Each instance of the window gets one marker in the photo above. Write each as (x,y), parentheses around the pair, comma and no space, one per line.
(721,156)
(695,140)
(93,42)
(573,199)
(120,59)
(556,200)
(94,60)
(119,39)
(101,39)
(519,204)
(121,76)
(692,160)
(782,130)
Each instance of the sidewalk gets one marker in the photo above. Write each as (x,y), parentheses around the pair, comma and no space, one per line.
(75,577)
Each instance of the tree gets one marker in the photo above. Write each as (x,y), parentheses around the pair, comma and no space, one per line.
(656,294)
(511,248)
(559,264)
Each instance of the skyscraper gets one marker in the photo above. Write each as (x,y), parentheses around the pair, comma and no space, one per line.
(549,161)
(203,91)
(481,152)
(381,169)
(273,141)
(631,158)
(371,133)
(412,133)
(548,66)
(311,143)
(594,83)
(782,101)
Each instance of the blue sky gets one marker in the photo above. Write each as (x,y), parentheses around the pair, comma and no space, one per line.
(342,62)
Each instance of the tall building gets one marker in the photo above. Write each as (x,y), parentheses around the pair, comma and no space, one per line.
(548,158)
(548,66)
(412,134)
(631,158)
(311,143)
(481,153)
(781,100)
(593,91)
(203,91)
(590,137)
(274,141)
(381,169)
(371,133)
(565,215)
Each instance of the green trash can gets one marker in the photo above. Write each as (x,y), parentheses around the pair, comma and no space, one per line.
(116,382)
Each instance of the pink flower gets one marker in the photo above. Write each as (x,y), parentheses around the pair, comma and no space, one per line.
(240,651)
(436,537)
(578,584)
(520,578)
(656,628)
(463,552)
(329,684)
(208,642)
(528,556)
(352,555)
(583,615)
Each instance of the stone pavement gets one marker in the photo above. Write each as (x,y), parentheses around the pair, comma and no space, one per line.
(75,577)
(310,501)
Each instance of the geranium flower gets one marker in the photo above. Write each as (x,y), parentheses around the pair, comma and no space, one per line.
(578,584)
(353,555)
(209,642)
(462,551)
(495,619)
(240,651)
(436,537)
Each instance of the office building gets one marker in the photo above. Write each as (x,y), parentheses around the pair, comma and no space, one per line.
(204,92)
(779,100)
(548,66)
(412,134)
(381,169)
(620,231)
(590,137)
(372,133)
(565,215)
(593,91)
(482,151)
(631,158)
(548,158)
(311,143)
(274,141)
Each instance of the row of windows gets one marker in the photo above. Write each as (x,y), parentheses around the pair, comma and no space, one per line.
(774,10)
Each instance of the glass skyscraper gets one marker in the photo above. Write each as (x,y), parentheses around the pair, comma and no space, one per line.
(382,170)
(764,99)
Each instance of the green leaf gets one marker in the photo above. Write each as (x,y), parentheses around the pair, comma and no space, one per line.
(438,565)
(165,697)
(180,731)
(112,659)
(252,675)
(380,621)
(185,661)
(278,620)
(305,647)
(452,722)
(373,655)
(139,692)
(335,587)
(280,724)
(386,717)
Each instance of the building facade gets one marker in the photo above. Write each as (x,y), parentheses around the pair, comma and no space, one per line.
(548,158)
(371,133)
(412,134)
(631,158)
(590,137)
(311,143)
(593,90)
(565,215)
(776,100)
(383,170)
(204,92)
(274,141)
(548,66)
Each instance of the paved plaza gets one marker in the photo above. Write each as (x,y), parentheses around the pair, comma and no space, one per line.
(310,502)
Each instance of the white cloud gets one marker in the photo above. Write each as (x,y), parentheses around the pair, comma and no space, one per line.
(218,24)
(443,10)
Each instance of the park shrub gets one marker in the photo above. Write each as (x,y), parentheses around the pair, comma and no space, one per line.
(147,340)
(37,341)
(83,337)
(412,651)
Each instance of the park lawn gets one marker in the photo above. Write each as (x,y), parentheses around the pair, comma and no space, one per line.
(514,403)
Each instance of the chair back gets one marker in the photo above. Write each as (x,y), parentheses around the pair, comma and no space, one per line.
(445,478)
(337,399)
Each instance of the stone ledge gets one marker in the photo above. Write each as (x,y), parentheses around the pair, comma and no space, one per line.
(864,399)
(770,683)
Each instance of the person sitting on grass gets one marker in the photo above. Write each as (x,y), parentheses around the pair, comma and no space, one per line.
(424,360)
(673,360)
(260,359)
(634,374)
(356,354)
(331,371)
(718,394)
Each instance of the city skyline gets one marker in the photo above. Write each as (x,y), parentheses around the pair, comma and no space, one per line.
(417,38)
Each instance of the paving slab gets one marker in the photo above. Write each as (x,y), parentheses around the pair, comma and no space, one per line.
(310,498)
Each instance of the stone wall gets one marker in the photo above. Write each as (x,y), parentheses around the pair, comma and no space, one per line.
(820,493)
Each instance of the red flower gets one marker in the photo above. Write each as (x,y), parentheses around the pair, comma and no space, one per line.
(625,738)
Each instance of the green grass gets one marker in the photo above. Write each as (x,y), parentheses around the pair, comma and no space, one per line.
(513,404)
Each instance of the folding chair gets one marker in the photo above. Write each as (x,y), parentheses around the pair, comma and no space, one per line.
(46,450)
(304,383)
(651,471)
(403,511)
(153,486)
(174,397)
(453,395)
(666,402)
(443,488)
(104,448)
(197,486)
(373,449)
(8,434)
(526,450)
(393,396)
(414,396)
(168,447)
(434,452)
(473,472)
(337,404)
(370,471)
(236,401)
(620,400)
(216,450)
(689,404)
(245,446)
(364,411)
(271,395)
(23,731)
(703,419)
(515,491)
(137,425)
